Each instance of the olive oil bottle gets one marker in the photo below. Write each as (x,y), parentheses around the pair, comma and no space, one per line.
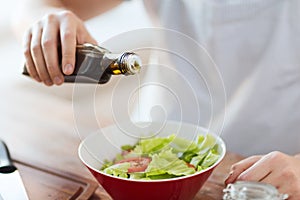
(95,64)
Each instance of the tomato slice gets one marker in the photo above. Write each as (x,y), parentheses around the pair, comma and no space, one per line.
(137,164)
(190,165)
(125,152)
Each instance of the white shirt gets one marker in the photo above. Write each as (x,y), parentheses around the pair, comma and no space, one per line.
(255,45)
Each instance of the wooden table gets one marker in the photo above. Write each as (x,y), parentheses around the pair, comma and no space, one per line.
(38,127)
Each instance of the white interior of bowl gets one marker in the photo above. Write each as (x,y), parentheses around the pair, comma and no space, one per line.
(106,143)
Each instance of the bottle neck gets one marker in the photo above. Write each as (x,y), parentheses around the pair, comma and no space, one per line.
(127,63)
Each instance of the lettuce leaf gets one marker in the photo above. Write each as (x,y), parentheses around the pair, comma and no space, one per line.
(166,162)
(127,147)
(154,145)
(107,164)
(119,170)
(197,160)
(184,145)
(187,156)
(210,159)
(206,142)
(137,175)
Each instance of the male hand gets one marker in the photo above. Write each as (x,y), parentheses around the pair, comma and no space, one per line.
(41,45)
(276,168)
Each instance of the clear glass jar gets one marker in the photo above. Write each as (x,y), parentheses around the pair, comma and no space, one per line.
(243,190)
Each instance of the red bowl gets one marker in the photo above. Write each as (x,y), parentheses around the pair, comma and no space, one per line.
(105,144)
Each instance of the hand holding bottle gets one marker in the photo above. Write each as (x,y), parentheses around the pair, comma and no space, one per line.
(41,41)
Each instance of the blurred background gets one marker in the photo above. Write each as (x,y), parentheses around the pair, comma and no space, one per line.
(10,49)
(27,107)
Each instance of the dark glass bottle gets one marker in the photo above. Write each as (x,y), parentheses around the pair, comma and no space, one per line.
(95,64)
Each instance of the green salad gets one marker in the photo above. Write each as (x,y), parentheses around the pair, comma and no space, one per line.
(164,157)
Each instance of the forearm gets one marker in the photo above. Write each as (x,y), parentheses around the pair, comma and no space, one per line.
(29,11)
(90,8)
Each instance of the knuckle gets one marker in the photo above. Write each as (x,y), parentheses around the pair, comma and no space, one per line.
(50,68)
(37,25)
(276,156)
(67,14)
(50,17)
(66,35)
(67,57)
(289,174)
(31,71)
(27,36)
(35,76)
(80,38)
(48,43)
(26,52)
(35,48)
(243,177)
(234,166)
(45,78)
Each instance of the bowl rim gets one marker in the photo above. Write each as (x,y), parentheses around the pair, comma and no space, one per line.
(220,142)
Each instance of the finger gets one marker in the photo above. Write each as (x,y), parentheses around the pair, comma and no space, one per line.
(284,187)
(266,165)
(68,43)
(38,57)
(286,172)
(258,171)
(272,178)
(28,59)
(84,36)
(239,167)
(49,46)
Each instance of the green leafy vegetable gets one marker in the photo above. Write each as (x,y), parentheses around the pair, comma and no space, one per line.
(119,170)
(107,164)
(155,144)
(167,162)
(127,147)
(206,143)
(184,145)
(210,159)
(197,160)
(188,156)
(170,157)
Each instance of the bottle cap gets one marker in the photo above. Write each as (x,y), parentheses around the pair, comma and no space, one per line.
(131,63)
